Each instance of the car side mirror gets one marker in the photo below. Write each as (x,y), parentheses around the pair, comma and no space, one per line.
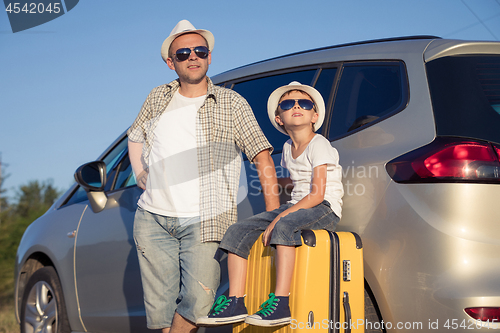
(92,177)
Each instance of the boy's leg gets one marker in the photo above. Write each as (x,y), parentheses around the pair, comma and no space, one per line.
(289,228)
(241,236)
(237,270)
(276,310)
(237,241)
(286,236)
(285,262)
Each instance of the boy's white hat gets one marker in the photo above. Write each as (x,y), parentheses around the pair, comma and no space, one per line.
(272,103)
(184,27)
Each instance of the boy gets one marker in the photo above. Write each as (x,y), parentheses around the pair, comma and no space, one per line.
(298,111)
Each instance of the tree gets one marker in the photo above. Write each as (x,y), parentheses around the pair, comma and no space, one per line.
(3,200)
(35,197)
(33,200)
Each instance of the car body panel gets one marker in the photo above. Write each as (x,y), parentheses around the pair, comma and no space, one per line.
(50,235)
(421,263)
(106,260)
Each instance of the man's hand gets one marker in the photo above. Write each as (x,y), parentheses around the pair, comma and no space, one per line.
(142,179)
(140,168)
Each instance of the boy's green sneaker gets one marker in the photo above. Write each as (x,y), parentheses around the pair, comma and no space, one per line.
(225,311)
(274,312)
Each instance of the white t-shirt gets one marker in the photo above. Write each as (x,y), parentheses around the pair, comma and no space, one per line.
(172,187)
(318,152)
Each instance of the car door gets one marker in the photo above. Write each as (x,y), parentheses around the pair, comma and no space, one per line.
(107,269)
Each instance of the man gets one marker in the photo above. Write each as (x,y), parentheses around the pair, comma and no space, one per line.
(185,149)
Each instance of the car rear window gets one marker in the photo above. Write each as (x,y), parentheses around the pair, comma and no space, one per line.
(465,93)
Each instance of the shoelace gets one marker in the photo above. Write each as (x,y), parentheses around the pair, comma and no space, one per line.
(269,306)
(219,305)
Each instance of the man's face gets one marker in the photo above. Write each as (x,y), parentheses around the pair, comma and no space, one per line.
(194,69)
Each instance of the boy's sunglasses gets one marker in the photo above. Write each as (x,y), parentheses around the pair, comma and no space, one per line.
(184,53)
(287,104)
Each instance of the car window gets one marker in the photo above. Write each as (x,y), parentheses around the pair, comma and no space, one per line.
(115,155)
(366,93)
(465,93)
(111,160)
(125,175)
(257,91)
(324,85)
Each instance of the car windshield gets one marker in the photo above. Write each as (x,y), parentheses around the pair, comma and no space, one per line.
(465,92)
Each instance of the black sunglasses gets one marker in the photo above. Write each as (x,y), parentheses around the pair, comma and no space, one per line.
(184,53)
(287,104)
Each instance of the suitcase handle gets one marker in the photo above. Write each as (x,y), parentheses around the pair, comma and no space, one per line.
(347,312)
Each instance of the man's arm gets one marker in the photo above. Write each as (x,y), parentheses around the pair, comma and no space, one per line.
(138,165)
(267,177)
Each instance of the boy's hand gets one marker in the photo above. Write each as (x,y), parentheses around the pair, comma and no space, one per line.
(266,236)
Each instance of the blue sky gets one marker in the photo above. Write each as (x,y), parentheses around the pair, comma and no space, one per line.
(69,87)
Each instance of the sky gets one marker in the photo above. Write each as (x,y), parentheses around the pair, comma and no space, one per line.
(71,86)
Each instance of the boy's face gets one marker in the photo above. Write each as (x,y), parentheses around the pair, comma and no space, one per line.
(296,117)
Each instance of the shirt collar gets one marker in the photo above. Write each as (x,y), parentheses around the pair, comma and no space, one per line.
(211,90)
(175,84)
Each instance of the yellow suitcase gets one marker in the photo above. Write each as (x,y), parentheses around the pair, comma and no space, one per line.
(327,291)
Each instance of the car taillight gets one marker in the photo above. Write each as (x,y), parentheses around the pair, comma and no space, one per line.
(488,314)
(448,159)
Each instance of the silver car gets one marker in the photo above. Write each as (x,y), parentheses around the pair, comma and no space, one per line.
(416,122)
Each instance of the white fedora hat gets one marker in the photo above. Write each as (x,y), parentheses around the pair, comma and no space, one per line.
(272,103)
(184,27)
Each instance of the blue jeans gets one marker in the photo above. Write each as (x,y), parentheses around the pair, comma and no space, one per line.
(178,271)
(241,236)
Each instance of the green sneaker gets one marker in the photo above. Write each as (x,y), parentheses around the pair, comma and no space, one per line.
(274,312)
(225,311)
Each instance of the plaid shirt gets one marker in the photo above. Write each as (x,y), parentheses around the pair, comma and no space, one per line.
(225,126)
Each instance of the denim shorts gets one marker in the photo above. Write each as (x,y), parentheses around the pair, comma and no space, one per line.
(178,271)
(241,236)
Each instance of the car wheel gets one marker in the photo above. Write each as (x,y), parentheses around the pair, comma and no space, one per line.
(373,319)
(43,308)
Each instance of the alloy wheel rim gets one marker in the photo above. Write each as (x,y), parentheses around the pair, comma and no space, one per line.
(41,309)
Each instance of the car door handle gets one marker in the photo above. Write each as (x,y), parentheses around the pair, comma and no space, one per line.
(71,234)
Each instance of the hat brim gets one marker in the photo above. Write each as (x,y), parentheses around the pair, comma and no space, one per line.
(274,98)
(209,37)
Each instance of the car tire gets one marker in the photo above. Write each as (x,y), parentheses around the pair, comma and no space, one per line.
(373,320)
(43,308)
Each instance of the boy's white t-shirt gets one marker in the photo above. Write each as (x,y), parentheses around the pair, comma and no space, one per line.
(318,152)
(173,182)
